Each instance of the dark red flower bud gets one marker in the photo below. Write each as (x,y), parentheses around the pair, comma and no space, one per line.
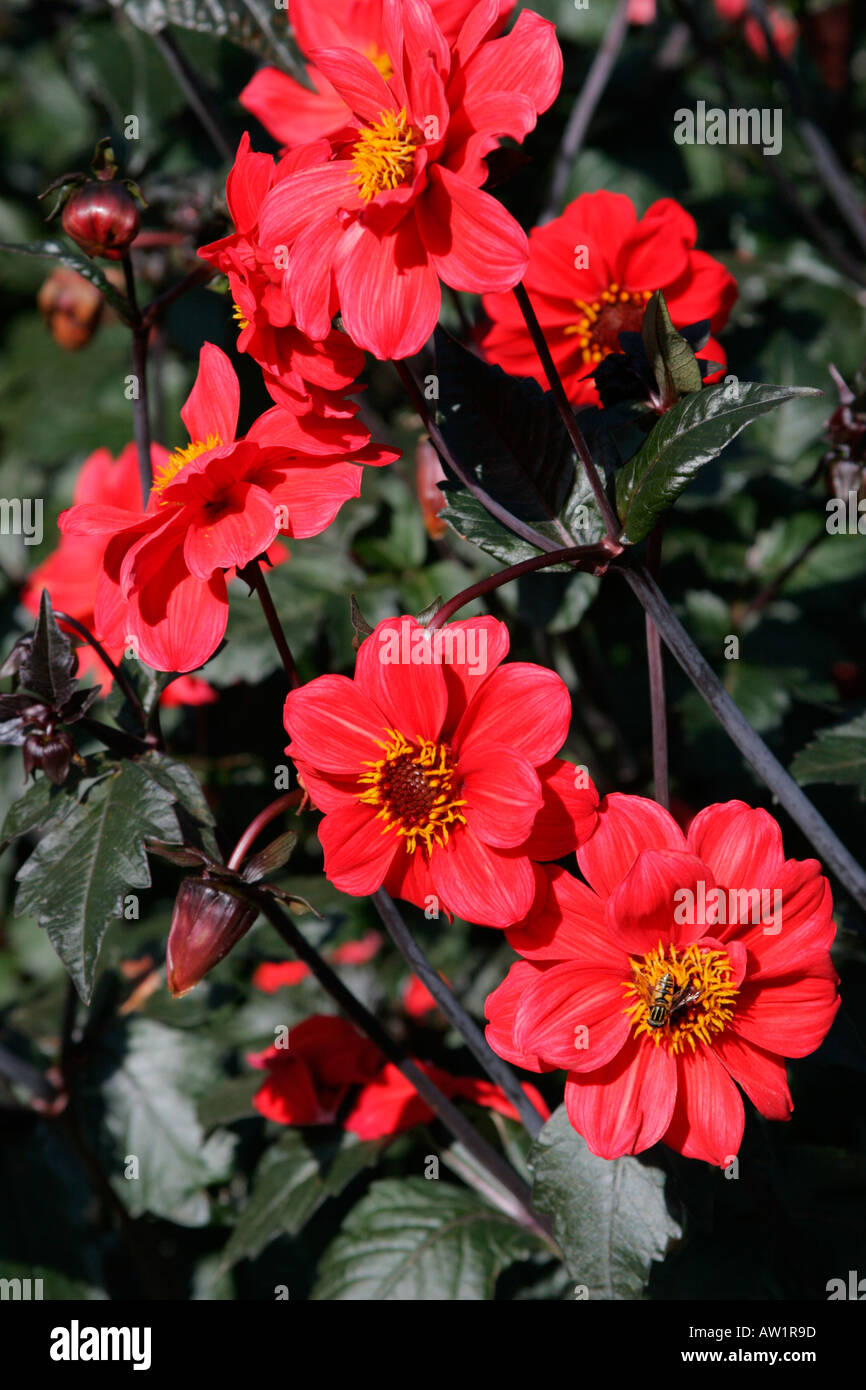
(208,920)
(51,753)
(102,218)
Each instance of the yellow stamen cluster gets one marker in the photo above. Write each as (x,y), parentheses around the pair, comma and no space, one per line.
(615,311)
(181,457)
(705,971)
(380,61)
(413,786)
(238,316)
(384,154)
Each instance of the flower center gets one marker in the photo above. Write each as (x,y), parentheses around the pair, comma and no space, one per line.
(238,316)
(384,154)
(381,61)
(678,996)
(413,786)
(181,457)
(602,321)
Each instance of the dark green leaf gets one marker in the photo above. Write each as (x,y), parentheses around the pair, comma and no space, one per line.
(671,359)
(81,869)
(507,434)
(688,436)
(46,669)
(67,255)
(268,860)
(296,1175)
(137,1099)
(837,755)
(414,1239)
(248,23)
(609,1216)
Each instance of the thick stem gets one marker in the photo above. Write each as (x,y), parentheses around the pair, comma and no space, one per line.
(140,417)
(574,135)
(253,575)
(575,434)
(594,559)
(655,662)
(498,1071)
(835,856)
(450,1116)
(255,827)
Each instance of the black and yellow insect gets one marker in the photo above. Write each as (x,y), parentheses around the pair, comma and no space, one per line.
(666,1000)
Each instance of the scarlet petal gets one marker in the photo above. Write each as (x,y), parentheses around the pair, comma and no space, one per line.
(709,1117)
(291,113)
(502,792)
(389,292)
(357,81)
(213,403)
(472,241)
(568,815)
(790,1017)
(177,619)
(527,61)
(626,825)
(491,887)
(526,707)
(500,1009)
(411,696)
(314,495)
(232,533)
(357,852)
(305,197)
(626,1106)
(334,725)
(483,643)
(645,908)
(572,1017)
(569,925)
(409,878)
(763,1076)
(742,846)
(289,1096)
(803,930)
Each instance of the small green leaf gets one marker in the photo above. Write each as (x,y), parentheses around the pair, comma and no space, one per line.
(837,755)
(411,1240)
(268,860)
(688,436)
(609,1216)
(672,360)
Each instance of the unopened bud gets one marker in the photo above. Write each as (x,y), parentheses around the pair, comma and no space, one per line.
(71,307)
(51,753)
(208,920)
(102,218)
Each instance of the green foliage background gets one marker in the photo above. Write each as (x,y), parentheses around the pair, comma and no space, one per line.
(228,1206)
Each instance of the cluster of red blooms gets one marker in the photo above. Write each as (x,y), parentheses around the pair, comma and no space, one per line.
(437,766)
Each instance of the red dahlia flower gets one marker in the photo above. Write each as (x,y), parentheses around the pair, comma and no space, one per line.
(217,504)
(71,572)
(399,205)
(591,273)
(326,1058)
(687,964)
(293,114)
(303,373)
(436,770)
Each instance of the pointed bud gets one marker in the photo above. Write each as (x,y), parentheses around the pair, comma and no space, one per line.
(208,920)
